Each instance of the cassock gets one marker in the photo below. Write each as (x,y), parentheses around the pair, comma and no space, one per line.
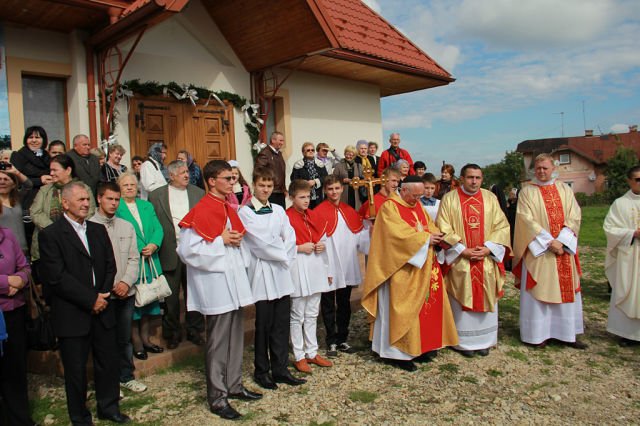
(622,266)
(468,221)
(403,290)
(550,299)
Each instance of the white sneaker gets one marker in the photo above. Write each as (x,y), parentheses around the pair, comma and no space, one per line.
(134,386)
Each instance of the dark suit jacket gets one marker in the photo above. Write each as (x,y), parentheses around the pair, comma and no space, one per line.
(269,159)
(160,200)
(66,269)
(87,169)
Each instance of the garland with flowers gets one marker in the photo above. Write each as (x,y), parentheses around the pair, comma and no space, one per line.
(192,93)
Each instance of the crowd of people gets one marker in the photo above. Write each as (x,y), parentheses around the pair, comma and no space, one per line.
(91,232)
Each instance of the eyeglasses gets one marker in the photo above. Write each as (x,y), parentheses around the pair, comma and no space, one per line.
(310,150)
(227,178)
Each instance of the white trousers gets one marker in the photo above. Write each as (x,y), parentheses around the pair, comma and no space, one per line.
(476,330)
(304,318)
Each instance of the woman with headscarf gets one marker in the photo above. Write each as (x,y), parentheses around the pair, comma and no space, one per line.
(195,173)
(312,170)
(346,170)
(153,173)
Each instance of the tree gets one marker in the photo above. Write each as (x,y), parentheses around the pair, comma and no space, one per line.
(616,173)
(507,173)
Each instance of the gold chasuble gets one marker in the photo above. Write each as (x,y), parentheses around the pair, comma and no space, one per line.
(471,220)
(550,278)
(420,318)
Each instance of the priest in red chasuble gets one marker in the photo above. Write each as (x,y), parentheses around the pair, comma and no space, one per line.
(403,289)
(477,234)
(546,263)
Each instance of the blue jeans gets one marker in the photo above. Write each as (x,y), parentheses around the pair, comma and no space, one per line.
(124,317)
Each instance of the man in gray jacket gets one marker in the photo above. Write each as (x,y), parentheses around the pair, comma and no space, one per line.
(87,165)
(171,203)
(125,250)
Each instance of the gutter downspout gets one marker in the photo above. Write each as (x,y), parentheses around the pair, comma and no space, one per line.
(91,96)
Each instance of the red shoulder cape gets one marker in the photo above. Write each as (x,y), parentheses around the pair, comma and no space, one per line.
(310,230)
(209,218)
(364,209)
(329,212)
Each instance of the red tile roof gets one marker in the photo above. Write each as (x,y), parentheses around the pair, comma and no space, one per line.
(597,149)
(359,29)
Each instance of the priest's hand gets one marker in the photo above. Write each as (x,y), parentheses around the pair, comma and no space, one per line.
(556,248)
(480,253)
(436,239)
(637,233)
(330,280)
(231,238)
(306,248)
(319,248)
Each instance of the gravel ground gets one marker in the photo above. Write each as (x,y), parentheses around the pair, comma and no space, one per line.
(514,384)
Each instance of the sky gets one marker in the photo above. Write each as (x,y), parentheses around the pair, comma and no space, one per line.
(518,65)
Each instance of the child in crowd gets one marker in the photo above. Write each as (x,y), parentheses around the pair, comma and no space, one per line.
(309,273)
(346,236)
(241,193)
(428,201)
(270,242)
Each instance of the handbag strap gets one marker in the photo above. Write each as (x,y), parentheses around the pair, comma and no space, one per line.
(36,300)
(152,267)
(142,275)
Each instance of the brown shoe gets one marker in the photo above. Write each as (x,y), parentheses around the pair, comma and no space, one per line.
(302,366)
(319,361)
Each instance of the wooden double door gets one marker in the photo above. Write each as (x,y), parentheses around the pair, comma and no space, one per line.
(205,131)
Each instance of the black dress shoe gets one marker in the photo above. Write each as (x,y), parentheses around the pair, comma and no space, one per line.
(116,418)
(265,382)
(246,395)
(288,379)
(141,354)
(227,412)
(426,357)
(196,339)
(483,352)
(626,343)
(464,353)
(154,349)
(578,345)
(173,343)
(409,366)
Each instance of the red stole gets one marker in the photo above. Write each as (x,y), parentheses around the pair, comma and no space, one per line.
(209,218)
(473,219)
(555,214)
(431,312)
(309,226)
(329,212)
(364,209)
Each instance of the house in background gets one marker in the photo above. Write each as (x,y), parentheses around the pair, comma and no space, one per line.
(582,160)
(317,68)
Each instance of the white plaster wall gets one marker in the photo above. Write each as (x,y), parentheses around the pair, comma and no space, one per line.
(37,44)
(77,95)
(331,110)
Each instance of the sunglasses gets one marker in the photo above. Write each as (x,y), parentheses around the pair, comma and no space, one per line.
(309,150)
(227,178)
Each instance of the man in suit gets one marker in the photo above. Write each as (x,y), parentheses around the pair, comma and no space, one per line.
(271,158)
(78,271)
(171,203)
(87,165)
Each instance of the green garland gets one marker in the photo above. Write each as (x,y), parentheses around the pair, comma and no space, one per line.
(154,88)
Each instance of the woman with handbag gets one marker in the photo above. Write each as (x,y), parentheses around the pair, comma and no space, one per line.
(142,216)
(14,276)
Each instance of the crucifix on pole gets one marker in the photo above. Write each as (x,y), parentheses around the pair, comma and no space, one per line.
(369,182)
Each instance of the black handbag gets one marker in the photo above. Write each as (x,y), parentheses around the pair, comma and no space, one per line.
(40,336)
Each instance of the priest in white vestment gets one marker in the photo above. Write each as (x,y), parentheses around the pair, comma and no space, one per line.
(545,254)
(622,264)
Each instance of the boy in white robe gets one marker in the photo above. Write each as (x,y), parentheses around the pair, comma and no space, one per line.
(218,287)
(622,264)
(310,275)
(346,236)
(270,243)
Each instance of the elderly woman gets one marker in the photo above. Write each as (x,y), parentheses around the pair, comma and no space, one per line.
(403,167)
(14,277)
(47,206)
(142,216)
(363,157)
(312,170)
(13,186)
(241,194)
(195,173)
(112,168)
(346,170)
(447,181)
(153,173)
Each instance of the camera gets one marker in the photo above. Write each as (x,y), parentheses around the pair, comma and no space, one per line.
(4,165)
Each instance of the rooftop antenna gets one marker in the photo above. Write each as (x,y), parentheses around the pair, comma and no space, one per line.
(561,121)
(584,118)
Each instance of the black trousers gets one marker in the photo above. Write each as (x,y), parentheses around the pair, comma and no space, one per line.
(279,199)
(171,328)
(272,336)
(335,307)
(74,352)
(14,406)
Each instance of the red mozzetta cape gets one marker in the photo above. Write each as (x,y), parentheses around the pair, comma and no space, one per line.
(209,218)
(309,226)
(329,212)
(364,209)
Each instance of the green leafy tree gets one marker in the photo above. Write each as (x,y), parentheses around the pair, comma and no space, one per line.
(507,173)
(616,173)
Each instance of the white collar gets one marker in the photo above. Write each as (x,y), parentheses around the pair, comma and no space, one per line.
(77,226)
(257,204)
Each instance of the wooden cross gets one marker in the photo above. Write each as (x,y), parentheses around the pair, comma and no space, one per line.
(369,182)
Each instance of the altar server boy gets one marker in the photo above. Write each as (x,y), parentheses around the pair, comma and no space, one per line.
(310,275)
(270,244)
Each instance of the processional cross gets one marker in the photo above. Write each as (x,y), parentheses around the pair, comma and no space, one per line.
(369,182)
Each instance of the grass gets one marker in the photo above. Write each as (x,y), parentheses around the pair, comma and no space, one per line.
(521,356)
(494,373)
(449,368)
(363,396)
(470,379)
(591,233)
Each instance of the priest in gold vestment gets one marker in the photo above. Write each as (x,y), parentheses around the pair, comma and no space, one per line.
(477,232)
(403,290)
(545,254)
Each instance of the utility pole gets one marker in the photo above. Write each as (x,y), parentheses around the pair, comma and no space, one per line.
(561,121)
